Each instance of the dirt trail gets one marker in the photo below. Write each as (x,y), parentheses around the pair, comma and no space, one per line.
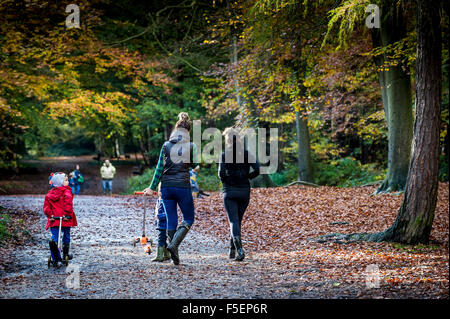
(110,267)
(34,179)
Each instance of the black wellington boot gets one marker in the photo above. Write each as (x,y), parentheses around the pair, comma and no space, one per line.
(240,252)
(176,241)
(232,249)
(170,233)
(56,257)
(66,251)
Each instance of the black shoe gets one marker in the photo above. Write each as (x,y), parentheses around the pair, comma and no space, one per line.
(232,249)
(54,251)
(176,241)
(202,193)
(240,252)
(66,251)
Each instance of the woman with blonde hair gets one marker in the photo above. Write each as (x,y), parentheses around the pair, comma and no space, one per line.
(176,157)
(234,173)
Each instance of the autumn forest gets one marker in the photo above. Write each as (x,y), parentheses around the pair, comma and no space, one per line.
(358,91)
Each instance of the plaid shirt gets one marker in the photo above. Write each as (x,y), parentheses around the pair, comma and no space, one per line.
(160,167)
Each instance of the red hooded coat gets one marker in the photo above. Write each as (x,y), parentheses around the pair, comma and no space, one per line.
(59,202)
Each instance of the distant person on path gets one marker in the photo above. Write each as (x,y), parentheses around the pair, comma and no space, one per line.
(234,175)
(50,180)
(107,172)
(72,184)
(59,203)
(176,157)
(78,179)
(193,173)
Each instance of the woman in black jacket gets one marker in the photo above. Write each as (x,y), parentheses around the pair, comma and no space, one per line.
(176,157)
(234,173)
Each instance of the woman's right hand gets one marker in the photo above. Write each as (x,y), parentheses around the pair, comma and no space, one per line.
(148,191)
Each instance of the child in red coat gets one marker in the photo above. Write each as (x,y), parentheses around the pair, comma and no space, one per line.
(59,203)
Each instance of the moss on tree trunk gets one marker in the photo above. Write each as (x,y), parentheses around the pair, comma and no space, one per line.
(396,96)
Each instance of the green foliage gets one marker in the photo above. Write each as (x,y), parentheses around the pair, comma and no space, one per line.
(346,172)
(279,179)
(126,74)
(286,176)
(347,15)
(12,228)
(5,220)
(73,146)
(415,249)
(140,182)
(207,178)
(443,168)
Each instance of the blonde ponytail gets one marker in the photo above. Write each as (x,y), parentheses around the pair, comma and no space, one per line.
(184,121)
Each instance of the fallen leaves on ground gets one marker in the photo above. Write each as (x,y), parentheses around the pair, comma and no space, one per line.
(281,260)
(281,222)
(17,225)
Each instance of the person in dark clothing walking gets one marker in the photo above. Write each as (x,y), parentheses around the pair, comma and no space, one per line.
(234,173)
(78,180)
(176,158)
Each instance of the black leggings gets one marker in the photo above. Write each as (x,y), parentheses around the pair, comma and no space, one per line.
(236,201)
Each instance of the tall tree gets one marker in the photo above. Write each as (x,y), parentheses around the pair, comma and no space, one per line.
(304,162)
(394,79)
(415,217)
(395,85)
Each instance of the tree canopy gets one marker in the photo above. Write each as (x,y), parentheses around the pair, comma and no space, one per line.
(116,84)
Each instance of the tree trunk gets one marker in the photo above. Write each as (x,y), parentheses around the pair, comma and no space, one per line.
(143,152)
(167,131)
(400,126)
(396,96)
(117,147)
(280,148)
(149,145)
(236,84)
(415,217)
(305,171)
(241,119)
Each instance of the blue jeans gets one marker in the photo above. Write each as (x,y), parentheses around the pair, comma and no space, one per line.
(65,234)
(162,224)
(107,185)
(75,189)
(172,196)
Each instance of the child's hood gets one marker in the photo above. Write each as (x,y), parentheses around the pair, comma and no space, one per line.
(55,193)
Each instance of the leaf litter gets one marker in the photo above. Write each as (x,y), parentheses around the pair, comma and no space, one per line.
(281,259)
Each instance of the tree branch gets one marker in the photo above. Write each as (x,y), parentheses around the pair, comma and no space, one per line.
(167,51)
(302,183)
(129,38)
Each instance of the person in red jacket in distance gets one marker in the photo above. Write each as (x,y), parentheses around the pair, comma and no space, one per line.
(59,203)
